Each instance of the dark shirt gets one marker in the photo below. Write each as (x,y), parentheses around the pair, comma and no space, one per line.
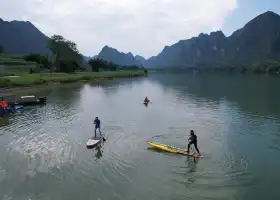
(97,123)
(193,138)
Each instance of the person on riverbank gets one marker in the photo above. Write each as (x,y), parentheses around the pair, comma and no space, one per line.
(97,125)
(193,140)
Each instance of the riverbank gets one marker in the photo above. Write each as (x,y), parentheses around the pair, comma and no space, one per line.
(34,80)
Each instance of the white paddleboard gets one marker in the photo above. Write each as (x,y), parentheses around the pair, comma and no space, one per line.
(92,142)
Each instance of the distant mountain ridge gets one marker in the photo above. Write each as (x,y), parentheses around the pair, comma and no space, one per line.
(258,40)
(113,55)
(20,37)
(141,59)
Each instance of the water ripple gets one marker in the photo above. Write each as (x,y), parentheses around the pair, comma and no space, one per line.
(43,150)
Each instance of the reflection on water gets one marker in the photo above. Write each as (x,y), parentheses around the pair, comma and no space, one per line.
(98,154)
(4,121)
(43,152)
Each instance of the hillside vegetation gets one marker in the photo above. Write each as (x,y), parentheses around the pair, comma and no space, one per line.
(64,65)
(255,47)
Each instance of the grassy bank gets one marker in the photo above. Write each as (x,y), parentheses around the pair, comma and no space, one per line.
(15,64)
(38,79)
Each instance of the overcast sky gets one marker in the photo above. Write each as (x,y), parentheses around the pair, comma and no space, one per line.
(142,27)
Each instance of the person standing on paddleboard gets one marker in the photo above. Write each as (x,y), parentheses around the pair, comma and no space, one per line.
(97,125)
(193,140)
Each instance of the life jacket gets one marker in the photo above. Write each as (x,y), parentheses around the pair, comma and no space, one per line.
(4,104)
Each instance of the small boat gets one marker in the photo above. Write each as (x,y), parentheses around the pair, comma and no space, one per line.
(18,107)
(26,97)
(146,100)
(11,109)
(31,100)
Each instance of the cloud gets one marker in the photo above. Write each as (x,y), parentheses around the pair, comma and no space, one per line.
(141,26)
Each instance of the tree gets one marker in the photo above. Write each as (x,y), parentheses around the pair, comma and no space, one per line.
(63,51)
(40,59)
(94,65)
(1,50)
(145,71)
(97,64)
(131,67)
(68,66)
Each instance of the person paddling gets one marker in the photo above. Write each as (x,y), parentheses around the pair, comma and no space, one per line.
(146,99)
(97,125)
(193,140)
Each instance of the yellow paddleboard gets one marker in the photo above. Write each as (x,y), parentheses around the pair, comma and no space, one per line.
(172,149)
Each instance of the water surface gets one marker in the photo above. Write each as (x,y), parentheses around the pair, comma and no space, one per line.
(237,120)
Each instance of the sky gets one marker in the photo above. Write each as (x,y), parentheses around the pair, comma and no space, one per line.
(141,27)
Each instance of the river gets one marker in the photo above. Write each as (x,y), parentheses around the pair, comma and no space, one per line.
(43,152)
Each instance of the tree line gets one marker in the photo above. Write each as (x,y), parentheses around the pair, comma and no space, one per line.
(65,57)
(1,50)
(264,67)
(98,64)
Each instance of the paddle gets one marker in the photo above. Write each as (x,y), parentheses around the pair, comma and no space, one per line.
(104,140)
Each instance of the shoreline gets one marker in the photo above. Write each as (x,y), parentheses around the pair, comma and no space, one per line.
(25,88)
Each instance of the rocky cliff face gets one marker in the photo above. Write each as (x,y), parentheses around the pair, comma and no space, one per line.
(112,55)
(258,40)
